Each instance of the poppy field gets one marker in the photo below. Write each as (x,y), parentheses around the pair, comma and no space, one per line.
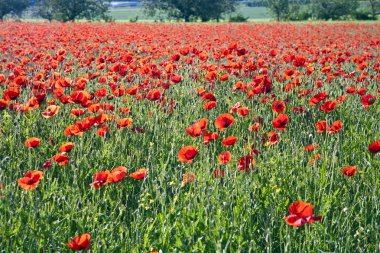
(189,137)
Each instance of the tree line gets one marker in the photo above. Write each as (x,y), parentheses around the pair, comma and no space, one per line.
(194,10)
(323,9)
(62,10)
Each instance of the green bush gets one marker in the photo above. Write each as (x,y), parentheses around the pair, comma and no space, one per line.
(238,18)
(362,15)
(134,19)
(298,13)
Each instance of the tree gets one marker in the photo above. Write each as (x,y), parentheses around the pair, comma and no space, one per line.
(190,9)
(211,9)
(44,9)
(68,10)
(298,10)
(12,7)
(375,8)
(333,9)
(176,9)
(279,8)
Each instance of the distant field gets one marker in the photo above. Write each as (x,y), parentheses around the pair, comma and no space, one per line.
(127,13)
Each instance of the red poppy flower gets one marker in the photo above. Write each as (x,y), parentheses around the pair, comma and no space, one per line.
(209,105)
(201,91)
(342,98)
(211,76)
(94,108)
(100,119)
(46,164)
(117,174)
(298,109)
(3,104)
(74,130)
(328,106)
(318,98)
(254,127)
(80,242)
(224,157)
(80,96)
(246,163)
(139,174)
(103,130)
(280,122)
(132,90)
(218,173)
(368,100)
(361,91)
(100,179)
(61,159)
(188,177)
(310,147)
(30,180)
(351,89)
(198,128)
(299,60)
(176,78)
(66,147)
(124,110)
(125,122)
(223,121)
(243,111)
(154,95)
(235,107)
(278,106)
(102,92)
(32,142)
(321,126)
(374,147)
(335,127)
(77,112)
(194,131)
(11,93)
(208,97)
(50,111)
(224,77)
(348,171)
(138,130)
(187,154)
(210,137)
(273,138)
(301,213)
(229,141)
(89,121)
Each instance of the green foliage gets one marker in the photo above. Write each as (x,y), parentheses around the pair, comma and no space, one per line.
(134,19)
(12,7)
(333,9)
(44,9)
(279,8)
(298,12)
(255,3)
(213,10)
(362,15)
(69,10)
(190,9)
(238,18)
(374,8)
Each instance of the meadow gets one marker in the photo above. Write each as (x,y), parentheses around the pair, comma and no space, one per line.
(121,14)
(189,137)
